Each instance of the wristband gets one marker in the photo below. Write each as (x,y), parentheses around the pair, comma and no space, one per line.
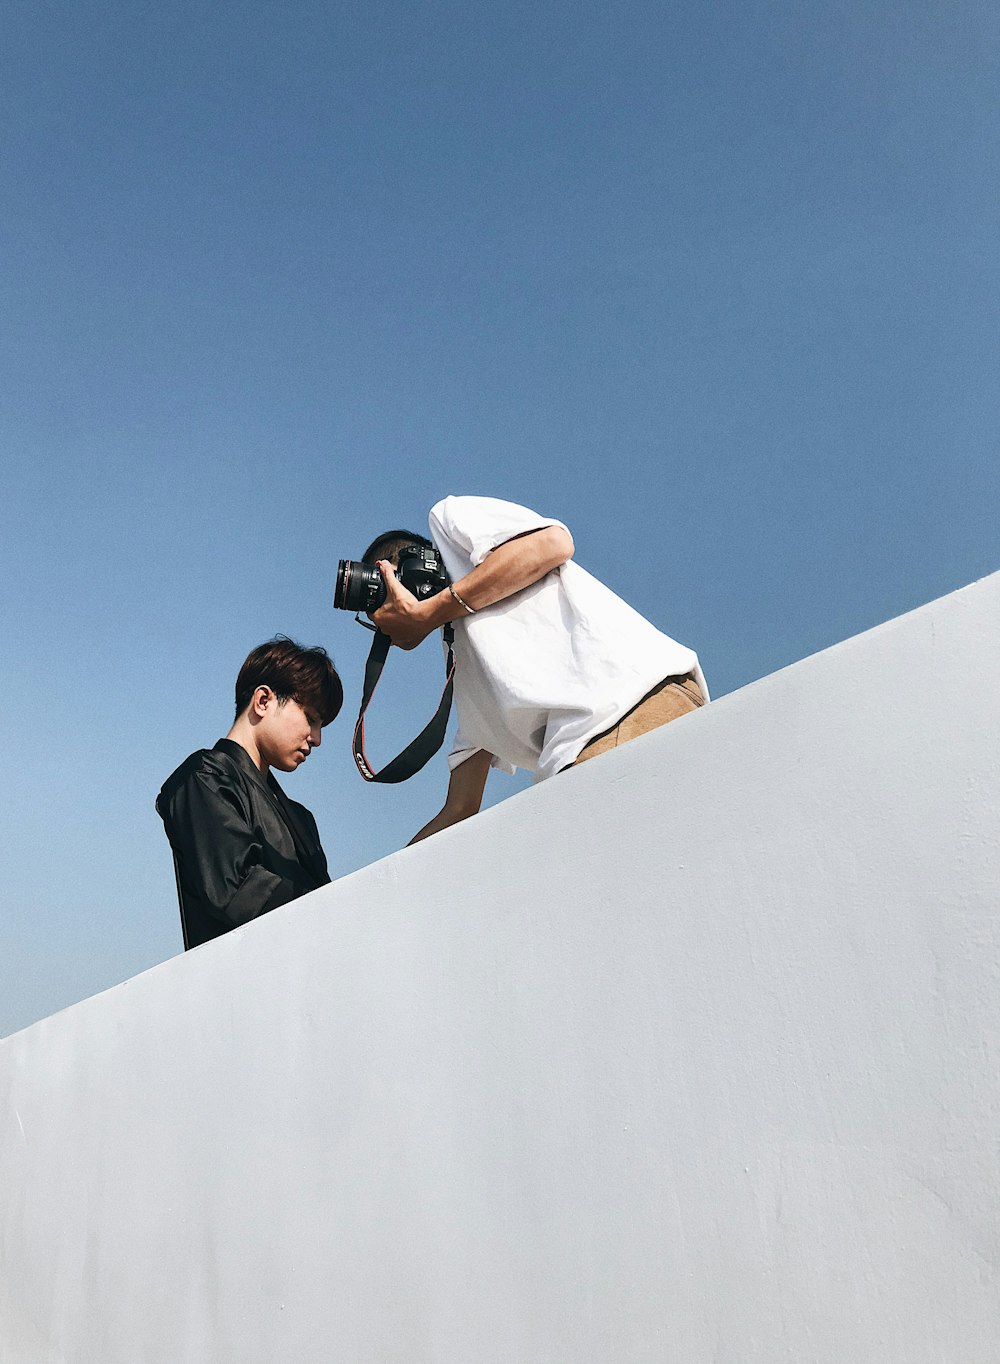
(469,610)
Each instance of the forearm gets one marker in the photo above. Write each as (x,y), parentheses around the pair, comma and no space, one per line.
(261,891)
(465,794)
(510,568)
(444,819)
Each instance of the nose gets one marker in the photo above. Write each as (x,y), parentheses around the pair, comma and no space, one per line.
(315,736)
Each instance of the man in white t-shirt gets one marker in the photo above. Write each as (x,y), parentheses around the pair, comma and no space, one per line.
(552,668)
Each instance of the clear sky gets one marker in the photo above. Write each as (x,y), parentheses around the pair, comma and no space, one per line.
(716,284)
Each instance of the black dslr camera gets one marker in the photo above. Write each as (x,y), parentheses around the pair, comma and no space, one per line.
(360,586)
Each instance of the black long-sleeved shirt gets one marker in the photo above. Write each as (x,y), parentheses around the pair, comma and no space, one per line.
(241,847)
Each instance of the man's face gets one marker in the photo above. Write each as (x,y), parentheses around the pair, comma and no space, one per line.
(287,733)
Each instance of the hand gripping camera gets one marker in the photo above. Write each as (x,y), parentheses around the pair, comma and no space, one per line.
(360,587)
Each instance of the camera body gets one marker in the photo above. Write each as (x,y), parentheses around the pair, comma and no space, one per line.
(360,586)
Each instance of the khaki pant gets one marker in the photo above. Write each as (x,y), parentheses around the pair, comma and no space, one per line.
(673,697)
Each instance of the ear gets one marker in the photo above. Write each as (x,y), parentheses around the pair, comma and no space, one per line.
(260,701)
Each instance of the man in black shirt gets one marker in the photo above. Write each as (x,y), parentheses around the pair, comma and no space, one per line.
(241,847)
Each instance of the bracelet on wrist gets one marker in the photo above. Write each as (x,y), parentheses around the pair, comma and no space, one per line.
(469,610)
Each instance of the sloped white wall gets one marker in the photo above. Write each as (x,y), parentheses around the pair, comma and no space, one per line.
(689,1056)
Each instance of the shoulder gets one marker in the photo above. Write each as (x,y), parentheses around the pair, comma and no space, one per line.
(458,507)
(210,767)
(473,517)
(441,514)
(478,525)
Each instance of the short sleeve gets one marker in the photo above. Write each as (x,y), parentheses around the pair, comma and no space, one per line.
(474,526)
(462,751)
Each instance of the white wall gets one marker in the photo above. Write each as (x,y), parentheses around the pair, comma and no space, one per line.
(688,1056)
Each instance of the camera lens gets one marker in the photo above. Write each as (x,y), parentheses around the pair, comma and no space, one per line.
(359,587)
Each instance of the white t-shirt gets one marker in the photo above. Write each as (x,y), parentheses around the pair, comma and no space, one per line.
(541,673)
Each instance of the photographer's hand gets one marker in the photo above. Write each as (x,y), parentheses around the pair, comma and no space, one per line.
(401,616)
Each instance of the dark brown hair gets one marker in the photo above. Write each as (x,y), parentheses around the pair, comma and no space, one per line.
(390,542)
(293,672)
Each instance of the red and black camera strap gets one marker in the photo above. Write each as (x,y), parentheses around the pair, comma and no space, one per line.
(417,753)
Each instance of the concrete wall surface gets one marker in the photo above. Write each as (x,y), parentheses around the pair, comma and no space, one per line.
(687,1056)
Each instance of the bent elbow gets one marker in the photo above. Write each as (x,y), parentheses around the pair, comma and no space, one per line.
(559,546)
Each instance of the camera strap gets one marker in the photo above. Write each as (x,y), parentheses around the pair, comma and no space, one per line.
(430,738)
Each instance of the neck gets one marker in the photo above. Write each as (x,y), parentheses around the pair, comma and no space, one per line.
(242,733)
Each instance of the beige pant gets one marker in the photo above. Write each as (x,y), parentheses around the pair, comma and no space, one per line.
(673,697)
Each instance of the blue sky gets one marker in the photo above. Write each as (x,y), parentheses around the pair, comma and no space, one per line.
(715,284)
